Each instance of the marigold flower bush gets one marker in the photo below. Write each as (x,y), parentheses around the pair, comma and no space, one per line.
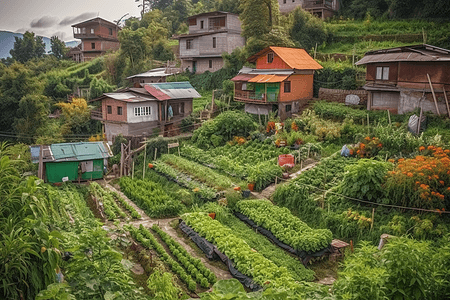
(325,130)
(369,147)
(423,181)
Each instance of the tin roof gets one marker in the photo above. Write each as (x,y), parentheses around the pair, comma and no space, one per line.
(268,78)
(171,90)
(213,13)
(81,151)
(295,58)
(422,52)
(242,77)
(157,72)
(129,97)
(96,20)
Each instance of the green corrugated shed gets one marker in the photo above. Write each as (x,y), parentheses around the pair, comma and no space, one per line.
(76,159)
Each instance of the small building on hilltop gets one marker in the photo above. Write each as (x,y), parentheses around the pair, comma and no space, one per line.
(72,161)
(402,79)
(321,8)
(282,81)
(153,76)
(97,36)
(210,34)
(151,108)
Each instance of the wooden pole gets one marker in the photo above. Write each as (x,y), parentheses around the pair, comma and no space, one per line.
(434,96)
(41,163)
(145,157)
(446,101)
(373,215)
(132,171)
(368,123)
(156,150)
(420,118)
(178,142)
(389,116)
(121,159)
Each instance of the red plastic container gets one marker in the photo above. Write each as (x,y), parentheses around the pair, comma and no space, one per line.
(286,159)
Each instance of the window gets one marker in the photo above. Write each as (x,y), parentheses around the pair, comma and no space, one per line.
(289,107)
(293,1)
(244,86)
(210,63)
(93,46)
(216,23)
(109,108)
(193,22)
(284,1)
(201,24)
(189,44)
(142,111)
(270,58)
(214,43)
(287,86)
(382,73)
(92,31)
(119,110)
(182,108)
(110,31)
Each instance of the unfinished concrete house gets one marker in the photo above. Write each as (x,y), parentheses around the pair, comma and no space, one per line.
(97,36)
(321,8)
(210,34)
(152,108)
(404,78)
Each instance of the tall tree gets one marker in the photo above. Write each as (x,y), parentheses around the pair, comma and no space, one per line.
(306,30)
(59,49)
(258,17)
(27,47)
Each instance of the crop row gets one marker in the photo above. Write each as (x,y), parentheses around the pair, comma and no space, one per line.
(143,236)
(134,214)
(247,260)
(250,164)
(186,181)
(192,265)
(200,172)
(110,206)
(150,197)
(284,226)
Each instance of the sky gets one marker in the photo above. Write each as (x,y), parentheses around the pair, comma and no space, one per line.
(55,17)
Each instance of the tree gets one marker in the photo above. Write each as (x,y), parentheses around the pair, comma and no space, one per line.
(27,47)
(307,30)
(228,5)
(33,111)
(258,17)
(59,49)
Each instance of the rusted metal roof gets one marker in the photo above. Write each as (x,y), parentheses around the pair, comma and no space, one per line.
(268,78)
(242,77)
(171,90)
(156,93)
(417,53)
(295,58)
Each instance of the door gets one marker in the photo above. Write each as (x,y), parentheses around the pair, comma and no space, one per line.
(194,67)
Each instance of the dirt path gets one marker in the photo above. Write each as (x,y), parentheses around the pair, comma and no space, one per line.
(164,224)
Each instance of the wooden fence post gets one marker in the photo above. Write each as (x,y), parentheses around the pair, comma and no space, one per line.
(145,156)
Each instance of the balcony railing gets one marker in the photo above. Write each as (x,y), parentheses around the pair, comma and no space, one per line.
(312,4)
(93,35)
(251,96)
(96,115)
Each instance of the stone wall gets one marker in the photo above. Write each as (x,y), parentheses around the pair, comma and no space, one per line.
(336,95)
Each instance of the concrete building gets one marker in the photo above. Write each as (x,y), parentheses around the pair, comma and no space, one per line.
(142,111)
(97,36)
(397,78)
(210,34)
(320,8)
(283,79)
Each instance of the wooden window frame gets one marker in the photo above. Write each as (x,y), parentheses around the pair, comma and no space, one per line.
(110,31)
(210,63)
(109,109)
(119,110)
(193,22)
(287,87)
(270,57)
(202,24)
(382,73)
(93,46)
(189,44)
(288,107)
(214,42)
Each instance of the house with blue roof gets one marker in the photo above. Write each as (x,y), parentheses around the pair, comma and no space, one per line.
(144,110)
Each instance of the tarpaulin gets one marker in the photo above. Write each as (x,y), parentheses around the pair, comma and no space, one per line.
(202,243)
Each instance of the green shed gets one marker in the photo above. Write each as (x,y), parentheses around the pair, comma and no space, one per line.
(73,161)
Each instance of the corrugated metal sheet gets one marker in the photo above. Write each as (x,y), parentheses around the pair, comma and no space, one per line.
(250,71)
(174,90)
(129,97)
(242,77)
(158,72)
(72,152)
(268,78)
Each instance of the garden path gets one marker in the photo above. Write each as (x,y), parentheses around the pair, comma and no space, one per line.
(164,224)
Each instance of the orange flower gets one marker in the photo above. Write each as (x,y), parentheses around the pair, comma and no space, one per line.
(367,138)
(380,145)
(430,147)
(401,160)
(441,182)
(421,148)
(409,174)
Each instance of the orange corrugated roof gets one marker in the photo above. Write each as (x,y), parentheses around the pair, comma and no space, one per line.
(268,78)
(296,58)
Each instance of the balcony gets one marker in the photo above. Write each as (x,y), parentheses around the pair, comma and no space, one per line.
(86,35)
(96,115)
(317,4)
(251,96)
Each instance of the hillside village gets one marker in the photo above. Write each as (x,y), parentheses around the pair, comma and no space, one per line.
(230,150)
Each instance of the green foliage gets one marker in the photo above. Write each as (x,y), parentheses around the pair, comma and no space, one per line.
(334,79)
(258,17)
(33,110)
(226,125)
(282,223)
(116,146)
(307,30)
(365,179)
(98,87)
(161,286)
(59,49)
(27,47)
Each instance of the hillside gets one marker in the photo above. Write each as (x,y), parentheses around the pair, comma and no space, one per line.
(7,43)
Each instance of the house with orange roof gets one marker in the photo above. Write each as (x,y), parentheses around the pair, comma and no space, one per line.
(282,81)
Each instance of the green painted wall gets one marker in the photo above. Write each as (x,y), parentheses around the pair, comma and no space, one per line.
(97,173)
(273,89)
(56,171)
